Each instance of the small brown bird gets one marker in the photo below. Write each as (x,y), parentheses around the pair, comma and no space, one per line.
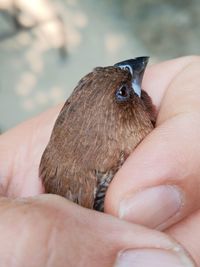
(100,124)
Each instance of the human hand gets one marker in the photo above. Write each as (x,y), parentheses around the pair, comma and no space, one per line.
(159,184)
(47,230)
(55,232)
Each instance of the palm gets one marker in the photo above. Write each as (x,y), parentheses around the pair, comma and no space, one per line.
(21,150)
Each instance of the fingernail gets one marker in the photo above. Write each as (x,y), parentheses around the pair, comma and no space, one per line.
(152,258)
(152,206)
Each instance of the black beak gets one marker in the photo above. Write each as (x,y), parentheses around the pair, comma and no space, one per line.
(136,67)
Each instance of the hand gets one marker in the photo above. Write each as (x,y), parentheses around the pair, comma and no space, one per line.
(159,184)
(48,230)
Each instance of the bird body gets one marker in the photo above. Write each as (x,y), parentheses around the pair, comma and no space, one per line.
(98,127)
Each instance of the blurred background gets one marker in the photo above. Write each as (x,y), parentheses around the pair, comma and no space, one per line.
(46,46)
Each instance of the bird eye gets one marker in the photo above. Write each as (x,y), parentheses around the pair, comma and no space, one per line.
(123,93)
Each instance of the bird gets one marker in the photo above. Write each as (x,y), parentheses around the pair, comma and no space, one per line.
(99,126)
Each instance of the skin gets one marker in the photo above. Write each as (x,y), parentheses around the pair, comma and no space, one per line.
(51,225)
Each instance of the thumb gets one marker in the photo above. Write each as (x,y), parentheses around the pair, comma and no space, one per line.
(159,184)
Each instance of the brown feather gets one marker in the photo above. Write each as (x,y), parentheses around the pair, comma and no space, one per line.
(92,137)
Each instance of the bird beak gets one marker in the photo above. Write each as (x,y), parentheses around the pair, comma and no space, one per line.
(136,67)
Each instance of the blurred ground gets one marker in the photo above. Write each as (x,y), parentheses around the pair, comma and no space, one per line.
(36,73)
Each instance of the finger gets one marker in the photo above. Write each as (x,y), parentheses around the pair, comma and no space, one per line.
(158,77)
(55,232)
(187,233)
(159,183)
